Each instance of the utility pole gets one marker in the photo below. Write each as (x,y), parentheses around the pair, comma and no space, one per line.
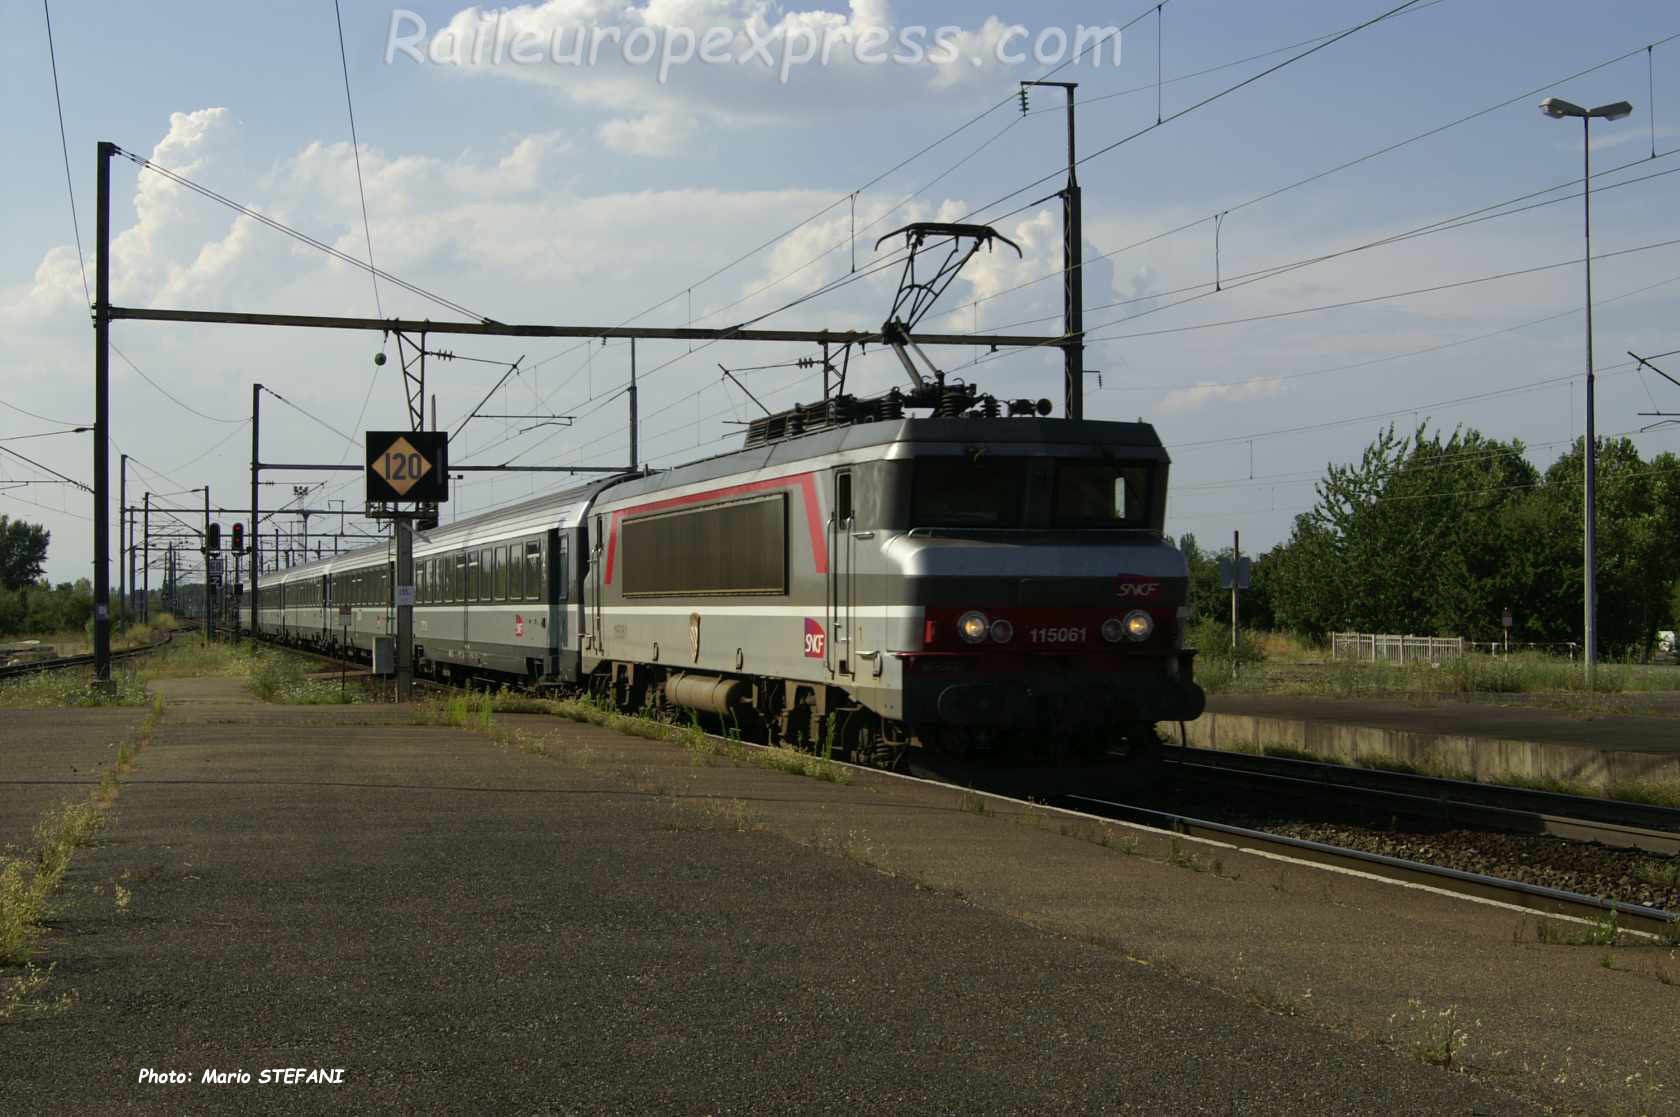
(404,529)
(1236,566)
(125,553)
(1590,495)
(256,515)
(633,461)
(209,614)
(1073,272)
(146,566)
(102,419)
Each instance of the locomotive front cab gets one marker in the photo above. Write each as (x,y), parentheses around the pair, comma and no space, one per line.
(1050,606)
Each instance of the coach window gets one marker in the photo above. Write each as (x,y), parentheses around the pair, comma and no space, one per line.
(516,572)
(842,497)
(501,573)
(533,570)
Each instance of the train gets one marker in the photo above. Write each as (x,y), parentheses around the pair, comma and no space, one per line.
(852,579)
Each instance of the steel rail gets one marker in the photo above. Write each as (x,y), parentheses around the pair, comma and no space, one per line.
(1539,898)
(19,670)
(1611,822)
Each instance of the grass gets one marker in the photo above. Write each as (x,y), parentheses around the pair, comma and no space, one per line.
(1601,932)
(476,711)
(1275,670)
(1664,874)
(1290,752)
(283,678)
(714,814)
(20,995)
(1433,1037)
(192,656)
(72,688)
(28,880)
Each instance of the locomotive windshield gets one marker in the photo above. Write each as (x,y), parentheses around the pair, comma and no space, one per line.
(982,491)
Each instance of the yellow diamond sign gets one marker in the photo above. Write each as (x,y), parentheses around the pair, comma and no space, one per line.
(401,466)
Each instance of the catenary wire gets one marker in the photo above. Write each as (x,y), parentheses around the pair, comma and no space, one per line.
(64,146)
(356,150)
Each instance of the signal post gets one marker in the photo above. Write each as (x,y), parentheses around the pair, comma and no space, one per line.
(407,478)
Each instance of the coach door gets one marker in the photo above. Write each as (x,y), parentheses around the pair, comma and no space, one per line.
(841,579)
(596,561)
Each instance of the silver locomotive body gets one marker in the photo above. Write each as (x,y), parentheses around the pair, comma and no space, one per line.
(947,582)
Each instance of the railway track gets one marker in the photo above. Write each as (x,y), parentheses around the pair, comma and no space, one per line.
(1461,803)
(1636,918)
(1654,922)
(18,671)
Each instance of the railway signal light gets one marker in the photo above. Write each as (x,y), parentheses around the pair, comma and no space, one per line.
(238,539)
(215,540)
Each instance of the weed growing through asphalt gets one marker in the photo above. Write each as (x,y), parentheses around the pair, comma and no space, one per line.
(28,881)
(714,814)
(1275,1000)
(702,746)
(20,995)
(1433,1037)
(972,803)
(1600,932)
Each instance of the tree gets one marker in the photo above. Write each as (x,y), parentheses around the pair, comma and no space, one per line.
(1638,517)
(23,552)
(1414,538)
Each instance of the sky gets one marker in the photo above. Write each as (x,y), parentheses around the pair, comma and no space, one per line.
(1243,292)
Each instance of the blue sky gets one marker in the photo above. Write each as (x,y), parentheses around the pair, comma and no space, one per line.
(576,195)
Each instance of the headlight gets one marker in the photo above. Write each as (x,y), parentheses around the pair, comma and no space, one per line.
(1139,624)
(973,626)
(1113,631)
(1002,631)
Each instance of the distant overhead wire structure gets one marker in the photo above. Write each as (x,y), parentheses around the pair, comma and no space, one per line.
(894,260)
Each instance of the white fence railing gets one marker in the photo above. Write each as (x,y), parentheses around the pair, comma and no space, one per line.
(1366,647)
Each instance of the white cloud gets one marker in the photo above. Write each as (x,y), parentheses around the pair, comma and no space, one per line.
(1201,395)
(737,61)
(656,134)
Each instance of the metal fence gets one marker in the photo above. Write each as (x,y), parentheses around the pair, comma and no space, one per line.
(1366,647)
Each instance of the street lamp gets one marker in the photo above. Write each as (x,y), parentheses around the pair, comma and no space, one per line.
(1557,108)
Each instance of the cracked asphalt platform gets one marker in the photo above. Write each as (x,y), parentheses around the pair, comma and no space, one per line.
(620,925)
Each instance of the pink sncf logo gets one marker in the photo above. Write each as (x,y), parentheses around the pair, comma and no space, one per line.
(816,640)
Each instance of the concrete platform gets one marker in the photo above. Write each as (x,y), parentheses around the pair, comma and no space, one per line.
(572,920)
(1482,740)
(49,756)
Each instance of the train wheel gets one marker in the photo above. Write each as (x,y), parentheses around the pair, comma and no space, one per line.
(1144,768)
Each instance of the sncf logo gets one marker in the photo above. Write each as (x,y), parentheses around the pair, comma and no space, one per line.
(816,640)
(1140,590)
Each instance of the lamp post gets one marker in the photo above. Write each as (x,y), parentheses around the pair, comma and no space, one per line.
(1558,109)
